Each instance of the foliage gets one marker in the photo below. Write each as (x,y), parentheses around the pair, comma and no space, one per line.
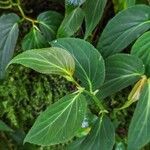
(62,45)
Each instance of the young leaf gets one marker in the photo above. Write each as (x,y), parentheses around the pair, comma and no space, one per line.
(90,69)
(4,127)
(8,38)
(123,29)
(101,137)
(122,70)
(60,122)
(135,93)
(47,61)
(71,23)
(34,39)
(49,22)
(141,48)
(138,135)
(92,19)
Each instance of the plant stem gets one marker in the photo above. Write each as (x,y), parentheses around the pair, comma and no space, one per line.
(18,5)
(97,101)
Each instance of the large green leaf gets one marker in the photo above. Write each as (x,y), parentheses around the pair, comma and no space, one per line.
(141,48)
(60,122)
(101,136)
(123,29)
(8,38)
(4,127)
(49,23)
(122,70)
(138,135)
(71,23)
(47,61)
(34,39)
(89,63)
(92,19)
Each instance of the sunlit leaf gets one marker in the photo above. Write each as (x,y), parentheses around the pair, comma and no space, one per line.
(47,61)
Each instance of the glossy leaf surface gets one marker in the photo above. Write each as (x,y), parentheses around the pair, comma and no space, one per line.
(123,29)
(90,69)
(34,39)
(71,23)
(60,122)
(141,49)
(122,70)
(93,18)
(101,137)
(49,23)
(8,38)
(47,61)
(138,135)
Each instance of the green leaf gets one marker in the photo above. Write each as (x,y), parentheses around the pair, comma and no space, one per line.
(47,60)
(138,135)
(70,5)
(71,23)
(122,70)
(120,146)
(123,29)
(92,19)
(60,122)
(8,38)
(101,137)
(141,48)
(34,39)
(4,127)
(75,2)
(90,69)
(130,3)
(49,23)
(135,93)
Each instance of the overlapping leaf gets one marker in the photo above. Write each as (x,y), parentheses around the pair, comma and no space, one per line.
(92,19)
(49,23)
(122,70)
(138,135)
(71,23)
(123,29)
(141,48)
(90,68)
(75,2)
(60,122)
(34,39)
(101,137)
(8,38)
(47,61)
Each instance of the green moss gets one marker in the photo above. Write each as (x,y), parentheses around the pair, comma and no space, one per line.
(25,93)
